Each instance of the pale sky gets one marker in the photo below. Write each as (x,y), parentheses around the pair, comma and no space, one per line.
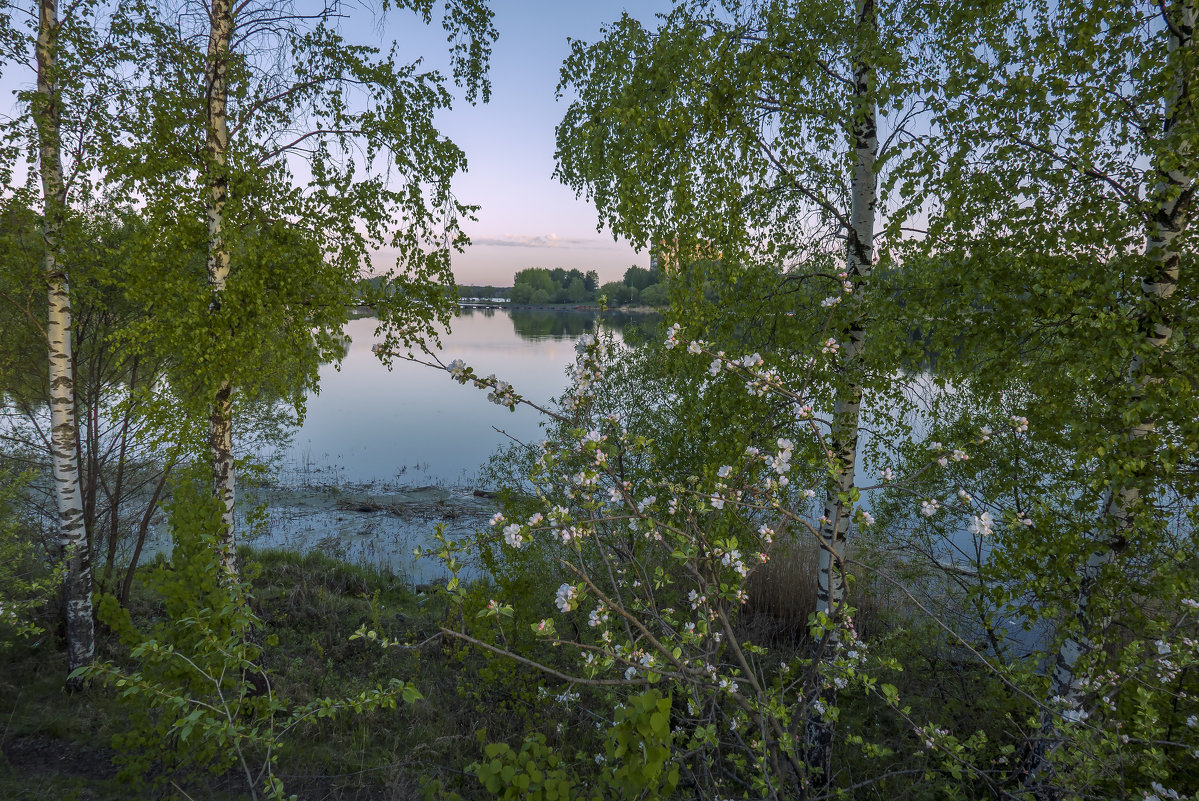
(527,218)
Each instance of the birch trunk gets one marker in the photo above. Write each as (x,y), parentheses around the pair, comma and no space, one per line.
(220,425)
(64,453)
(1172,197)
(843,438)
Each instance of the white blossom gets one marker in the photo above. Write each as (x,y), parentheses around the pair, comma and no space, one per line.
(457,370)
(566,598)
(982,525)
(593,436)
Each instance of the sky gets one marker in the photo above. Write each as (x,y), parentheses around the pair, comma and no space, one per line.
(527,219)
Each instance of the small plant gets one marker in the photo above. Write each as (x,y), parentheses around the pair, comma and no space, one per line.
(25,583)
(637,762)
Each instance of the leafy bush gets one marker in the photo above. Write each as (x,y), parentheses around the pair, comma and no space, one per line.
(26,583)
(198,698)
(658,566)
(636,764)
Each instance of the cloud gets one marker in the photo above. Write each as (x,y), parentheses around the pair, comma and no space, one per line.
(539,241)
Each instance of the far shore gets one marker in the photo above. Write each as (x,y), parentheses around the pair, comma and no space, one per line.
(467,303)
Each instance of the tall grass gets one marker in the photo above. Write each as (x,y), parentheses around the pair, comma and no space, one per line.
(782,595)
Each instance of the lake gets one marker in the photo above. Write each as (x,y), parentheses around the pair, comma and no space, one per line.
(412,424)
(384,455)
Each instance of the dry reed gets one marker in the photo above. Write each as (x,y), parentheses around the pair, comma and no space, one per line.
(782,595)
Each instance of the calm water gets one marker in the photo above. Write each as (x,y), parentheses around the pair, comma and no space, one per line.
(413,425)
(385,456)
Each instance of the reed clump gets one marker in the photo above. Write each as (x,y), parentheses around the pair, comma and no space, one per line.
(782,595)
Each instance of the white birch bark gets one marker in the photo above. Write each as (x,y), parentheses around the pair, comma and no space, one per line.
(843,438)
(1172,197)
(64,454)
(216,186)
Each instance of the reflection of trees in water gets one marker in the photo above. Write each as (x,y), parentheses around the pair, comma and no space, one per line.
(534,325)
(552,325)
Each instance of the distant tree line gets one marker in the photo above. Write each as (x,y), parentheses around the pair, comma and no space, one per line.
(538,285)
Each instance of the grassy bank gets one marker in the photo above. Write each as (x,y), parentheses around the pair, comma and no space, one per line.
(63,746)
(59,745)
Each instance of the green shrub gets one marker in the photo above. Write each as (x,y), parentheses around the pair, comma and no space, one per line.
(636,763)
(198,698)
(26,583)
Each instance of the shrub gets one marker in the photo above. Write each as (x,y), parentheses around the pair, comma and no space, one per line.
(198,697)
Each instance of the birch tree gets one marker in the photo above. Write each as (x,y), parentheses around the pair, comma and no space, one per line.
(125,454)
(81,638)
(1065,197)
(1167,205)
(843,434)
(55,141)
(216,191)
(751,129)
(302,153)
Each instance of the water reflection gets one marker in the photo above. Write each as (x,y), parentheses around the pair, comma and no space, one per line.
(385,455)
(412,425)
(534,324)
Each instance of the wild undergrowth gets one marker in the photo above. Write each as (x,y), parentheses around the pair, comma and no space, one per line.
(309,605)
